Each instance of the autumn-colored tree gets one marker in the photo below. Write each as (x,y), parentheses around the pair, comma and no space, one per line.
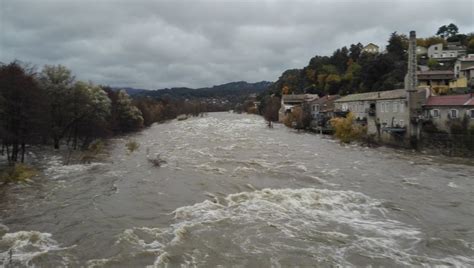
(345,128)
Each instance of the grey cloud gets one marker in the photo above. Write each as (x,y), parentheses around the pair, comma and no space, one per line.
(155,44)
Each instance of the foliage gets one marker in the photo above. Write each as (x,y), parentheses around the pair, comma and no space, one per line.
(470,45)
(299,118)
(132,146)
(459,126)
(432,63)
(447,31)
(17,173)
(346,130)
(22,120)
(271,108)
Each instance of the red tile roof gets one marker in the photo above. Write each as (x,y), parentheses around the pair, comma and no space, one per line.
(451,100)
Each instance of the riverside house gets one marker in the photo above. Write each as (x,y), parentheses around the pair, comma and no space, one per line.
(443,110)
(322,110)
(385,113)
(290,101)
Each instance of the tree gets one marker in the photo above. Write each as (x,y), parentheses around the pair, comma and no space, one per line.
(355,51)
(470,45)
(57,81)
(345,129)
(432,63)
(129,116)
(397,45)
(91,107)
(447,31)
(271,108)
(21,118)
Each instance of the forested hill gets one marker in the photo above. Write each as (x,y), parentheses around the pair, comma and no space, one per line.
(231,91)
(351,70)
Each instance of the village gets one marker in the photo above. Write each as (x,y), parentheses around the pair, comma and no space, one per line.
(433,106)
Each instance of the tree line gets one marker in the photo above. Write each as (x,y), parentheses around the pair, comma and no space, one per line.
(351,70)
(50,107)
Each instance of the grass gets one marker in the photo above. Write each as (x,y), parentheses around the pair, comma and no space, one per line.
(18,173)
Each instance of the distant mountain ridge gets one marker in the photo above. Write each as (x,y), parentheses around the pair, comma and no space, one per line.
(230,91)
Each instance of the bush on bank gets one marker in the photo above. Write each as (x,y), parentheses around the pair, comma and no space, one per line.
(17,173)
(346,130)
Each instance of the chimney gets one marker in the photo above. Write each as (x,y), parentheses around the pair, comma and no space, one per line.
(411,75)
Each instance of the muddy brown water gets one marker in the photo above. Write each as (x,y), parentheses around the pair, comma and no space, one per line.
(235,193)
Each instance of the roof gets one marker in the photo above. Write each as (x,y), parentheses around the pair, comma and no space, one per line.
(371,44)
(451,100)
(299,97)
(447,74)
(468,58)
(377,95)
(468,68)
(326,103)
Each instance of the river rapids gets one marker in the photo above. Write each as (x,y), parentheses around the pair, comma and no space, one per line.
(235,193)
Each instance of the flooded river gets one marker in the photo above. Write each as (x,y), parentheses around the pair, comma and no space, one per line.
(235,193)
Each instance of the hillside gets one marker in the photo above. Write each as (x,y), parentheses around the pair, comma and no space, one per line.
(229,90)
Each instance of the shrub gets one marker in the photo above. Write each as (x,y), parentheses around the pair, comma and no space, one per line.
(132,146)
(346,130)
(252,110)
(96,147)
(294,119)
(18,173)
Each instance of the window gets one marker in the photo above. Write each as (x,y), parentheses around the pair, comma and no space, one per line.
(436,48)
(470,113)
(453,113)
(402,123)
(435,113)
(383,107)
(402,107)
(314,108)
(395,107)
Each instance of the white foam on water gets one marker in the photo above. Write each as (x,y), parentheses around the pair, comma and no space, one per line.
(453,185)
(56,169)
(272,222)
(22,247)
(208,168)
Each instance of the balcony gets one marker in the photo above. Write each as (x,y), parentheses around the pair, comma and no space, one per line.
(371,111)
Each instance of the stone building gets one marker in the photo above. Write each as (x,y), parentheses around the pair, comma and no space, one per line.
(443,110)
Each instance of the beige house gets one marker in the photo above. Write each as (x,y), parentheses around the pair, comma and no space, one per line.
(438,81)
(371,48)
(441,110)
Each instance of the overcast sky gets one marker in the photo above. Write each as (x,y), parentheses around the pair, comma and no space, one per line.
(157,44)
